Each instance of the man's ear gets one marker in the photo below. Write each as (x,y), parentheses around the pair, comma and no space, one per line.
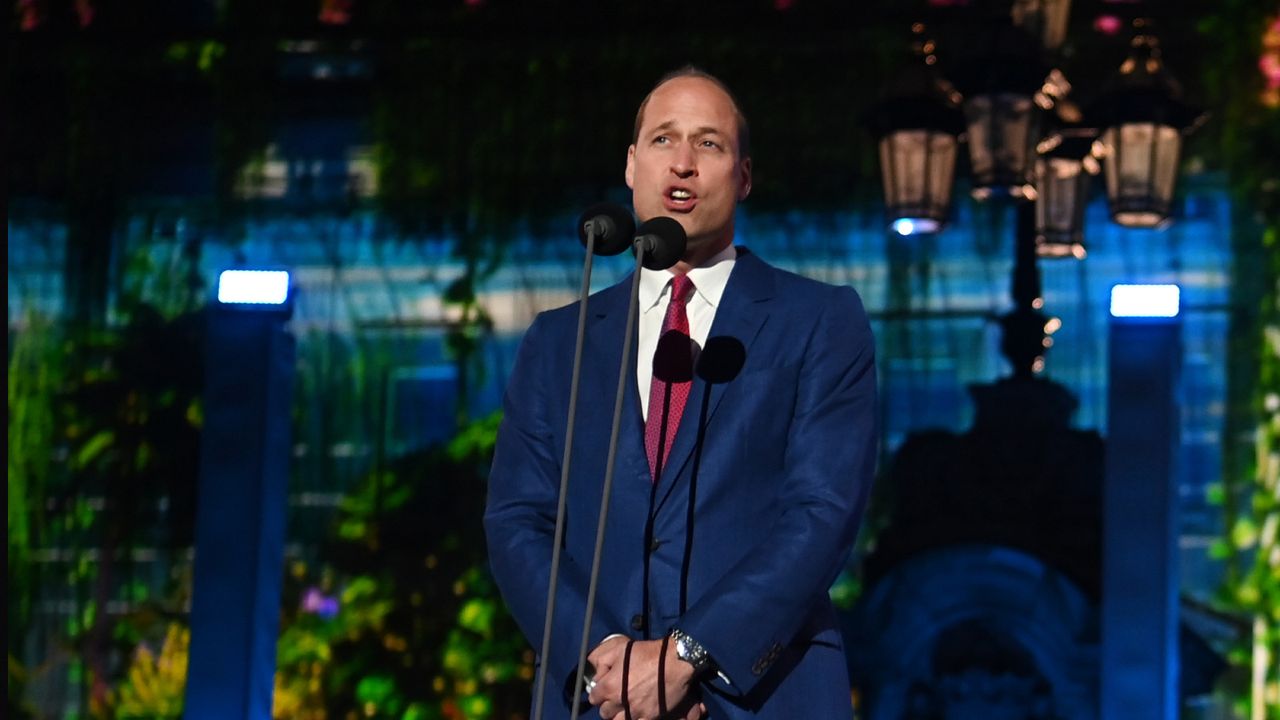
(744,184)
(630,173)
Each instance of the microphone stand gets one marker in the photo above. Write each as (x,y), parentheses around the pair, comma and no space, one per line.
(540,693)
(607,489)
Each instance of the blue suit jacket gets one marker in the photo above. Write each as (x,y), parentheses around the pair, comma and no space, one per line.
(783,471)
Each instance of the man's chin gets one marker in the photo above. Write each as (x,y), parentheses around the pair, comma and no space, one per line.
(692,232)
(701,248)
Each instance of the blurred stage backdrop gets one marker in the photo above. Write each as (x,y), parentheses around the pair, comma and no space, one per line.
(419,167)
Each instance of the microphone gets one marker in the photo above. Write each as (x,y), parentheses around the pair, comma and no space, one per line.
(612,226)
(604,229)
(660,243)
(663,241)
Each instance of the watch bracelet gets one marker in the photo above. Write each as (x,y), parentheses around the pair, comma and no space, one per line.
(690,651)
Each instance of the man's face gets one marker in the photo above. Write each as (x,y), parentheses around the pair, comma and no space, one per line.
(685,163)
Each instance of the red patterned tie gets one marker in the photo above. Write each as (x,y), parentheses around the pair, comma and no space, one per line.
(673,360)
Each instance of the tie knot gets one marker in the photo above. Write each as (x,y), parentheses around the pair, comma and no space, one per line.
(681,289)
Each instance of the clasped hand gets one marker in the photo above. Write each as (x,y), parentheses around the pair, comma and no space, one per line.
(642,681)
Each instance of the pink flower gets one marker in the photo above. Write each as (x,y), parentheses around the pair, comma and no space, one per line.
(314,601)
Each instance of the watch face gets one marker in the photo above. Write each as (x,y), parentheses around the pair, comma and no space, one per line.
(689,652)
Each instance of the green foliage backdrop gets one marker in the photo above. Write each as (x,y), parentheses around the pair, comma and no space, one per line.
(1245,132)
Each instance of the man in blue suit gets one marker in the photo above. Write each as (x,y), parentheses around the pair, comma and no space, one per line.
(737,492)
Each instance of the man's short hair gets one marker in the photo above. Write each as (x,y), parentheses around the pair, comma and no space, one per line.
(691,71)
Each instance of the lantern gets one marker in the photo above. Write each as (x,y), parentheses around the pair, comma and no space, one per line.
(917,130)
(1045,19)
(1143,121)
(1064,169)
(1000,91)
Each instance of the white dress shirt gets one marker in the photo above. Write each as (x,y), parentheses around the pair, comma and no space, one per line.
(709,281)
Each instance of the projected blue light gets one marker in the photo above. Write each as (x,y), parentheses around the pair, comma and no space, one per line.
(914,226)
(253,287)
(1150,301)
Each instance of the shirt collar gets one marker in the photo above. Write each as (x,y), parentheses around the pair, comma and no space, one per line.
(709,280)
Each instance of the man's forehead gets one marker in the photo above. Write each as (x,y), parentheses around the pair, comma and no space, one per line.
(712,95)
(713,100)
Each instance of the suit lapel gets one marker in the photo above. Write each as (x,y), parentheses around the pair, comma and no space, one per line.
(602,356)
(743,312)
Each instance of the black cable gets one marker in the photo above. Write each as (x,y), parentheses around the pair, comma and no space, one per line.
(693,499)
(653,498)
(626,679)
(662,677)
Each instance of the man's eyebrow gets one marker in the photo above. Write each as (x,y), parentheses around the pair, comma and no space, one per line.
(698,132)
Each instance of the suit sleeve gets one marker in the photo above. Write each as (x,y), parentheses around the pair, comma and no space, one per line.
(520,515)
(829,466)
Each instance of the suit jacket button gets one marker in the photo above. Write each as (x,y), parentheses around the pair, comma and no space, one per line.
(637,622)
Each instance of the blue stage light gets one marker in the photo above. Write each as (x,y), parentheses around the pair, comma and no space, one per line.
(253,287)
(915,226)
(1150,301)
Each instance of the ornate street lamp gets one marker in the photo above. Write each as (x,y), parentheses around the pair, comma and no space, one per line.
(917,128)
(1143,120)
(1140,120)
(1063,173)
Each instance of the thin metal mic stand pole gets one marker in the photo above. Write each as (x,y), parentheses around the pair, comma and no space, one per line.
(607,490)
(540,693)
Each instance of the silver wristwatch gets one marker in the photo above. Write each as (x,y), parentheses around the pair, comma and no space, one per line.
(688,650)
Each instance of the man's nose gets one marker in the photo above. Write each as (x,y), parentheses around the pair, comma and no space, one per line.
(683,163)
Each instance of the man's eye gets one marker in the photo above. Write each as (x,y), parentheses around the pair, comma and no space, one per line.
(711,144)
(661,140)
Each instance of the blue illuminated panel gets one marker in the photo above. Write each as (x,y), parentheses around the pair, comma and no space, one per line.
(1145,301)
(253,287)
